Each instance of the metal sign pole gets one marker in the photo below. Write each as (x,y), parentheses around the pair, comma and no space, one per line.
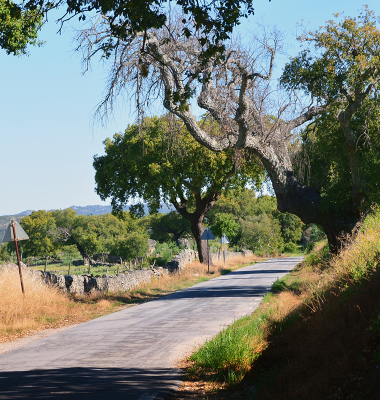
(208,258)
(206,235)
(18,258)
(224,253)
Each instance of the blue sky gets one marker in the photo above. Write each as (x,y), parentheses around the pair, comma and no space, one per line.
(47,131)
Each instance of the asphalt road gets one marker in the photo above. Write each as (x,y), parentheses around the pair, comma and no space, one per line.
(132,354)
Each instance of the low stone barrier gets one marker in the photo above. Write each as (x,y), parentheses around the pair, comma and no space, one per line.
(230,254)
(180,261)
(81,284)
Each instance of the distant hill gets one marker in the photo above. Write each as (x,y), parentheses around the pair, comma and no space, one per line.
(86,210)
(98,210)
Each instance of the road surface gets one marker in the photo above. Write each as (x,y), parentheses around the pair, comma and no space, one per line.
(132,354)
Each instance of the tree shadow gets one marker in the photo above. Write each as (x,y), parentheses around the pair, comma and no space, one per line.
(89,383)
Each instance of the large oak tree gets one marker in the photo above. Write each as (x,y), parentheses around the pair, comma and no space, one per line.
(336,76)
(163,162)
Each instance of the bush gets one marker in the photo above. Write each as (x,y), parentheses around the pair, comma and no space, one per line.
(290,248)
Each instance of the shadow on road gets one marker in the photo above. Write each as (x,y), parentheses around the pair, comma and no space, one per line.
(223,286)
(89,383)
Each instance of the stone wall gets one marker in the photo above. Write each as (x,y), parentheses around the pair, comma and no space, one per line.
(230,254)
(81,284)
(180,261)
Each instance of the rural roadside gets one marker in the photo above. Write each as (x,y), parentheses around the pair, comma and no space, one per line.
(137,348)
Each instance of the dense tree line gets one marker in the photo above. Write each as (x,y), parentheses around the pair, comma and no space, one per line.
(52,232)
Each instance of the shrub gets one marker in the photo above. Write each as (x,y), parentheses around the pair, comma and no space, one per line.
(290,248)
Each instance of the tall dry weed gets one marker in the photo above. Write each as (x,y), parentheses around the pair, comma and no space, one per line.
(43,306)
(362,255)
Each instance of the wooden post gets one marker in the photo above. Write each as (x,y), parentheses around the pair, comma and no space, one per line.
(18,258)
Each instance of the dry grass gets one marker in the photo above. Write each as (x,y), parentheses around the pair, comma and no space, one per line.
(43,307)
(47,307)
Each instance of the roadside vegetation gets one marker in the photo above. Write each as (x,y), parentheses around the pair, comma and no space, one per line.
(316,335)
(66,243)
(47,307)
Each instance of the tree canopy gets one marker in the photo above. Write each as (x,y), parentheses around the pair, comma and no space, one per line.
(214,20)
(167,227)
(18,27)
(340,69)
(39,226)
(254,222)
(94,233)
(337,76)
(163,162)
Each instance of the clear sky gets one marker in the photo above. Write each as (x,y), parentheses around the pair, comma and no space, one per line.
(48,135)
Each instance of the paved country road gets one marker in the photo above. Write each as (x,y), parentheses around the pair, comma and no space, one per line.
(132,354)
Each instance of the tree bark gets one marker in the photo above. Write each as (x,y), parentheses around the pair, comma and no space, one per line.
(196,219)
(83,253)
(304,202)
(197,230)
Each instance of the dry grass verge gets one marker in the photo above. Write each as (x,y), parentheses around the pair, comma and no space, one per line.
(46,307)
(43,307)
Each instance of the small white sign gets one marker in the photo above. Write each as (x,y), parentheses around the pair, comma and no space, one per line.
(224,239)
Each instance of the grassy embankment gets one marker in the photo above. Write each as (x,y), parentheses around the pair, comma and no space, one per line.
(315,336)
(46,307)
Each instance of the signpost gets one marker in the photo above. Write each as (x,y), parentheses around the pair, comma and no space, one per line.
(224,240)
(207,234)
(14,233)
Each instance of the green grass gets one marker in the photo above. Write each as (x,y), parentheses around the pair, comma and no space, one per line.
(230,354)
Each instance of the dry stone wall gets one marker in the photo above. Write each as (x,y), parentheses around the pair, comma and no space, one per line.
(81,284)
(230,254)
(180,261)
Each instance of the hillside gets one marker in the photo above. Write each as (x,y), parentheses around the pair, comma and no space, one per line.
(315,336)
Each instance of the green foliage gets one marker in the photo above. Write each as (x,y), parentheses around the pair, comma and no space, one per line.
(132,246)
(214,19)
(290,248)
(40,227)
(164,162)
(4,253)
(161,161)
(339,55)
(225,223)
(291,226)
(320,256)
(166,251)
(261,234)
(230,354)
(18,27)
(340,68)
(167,227)
(252,221)
(316,235)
